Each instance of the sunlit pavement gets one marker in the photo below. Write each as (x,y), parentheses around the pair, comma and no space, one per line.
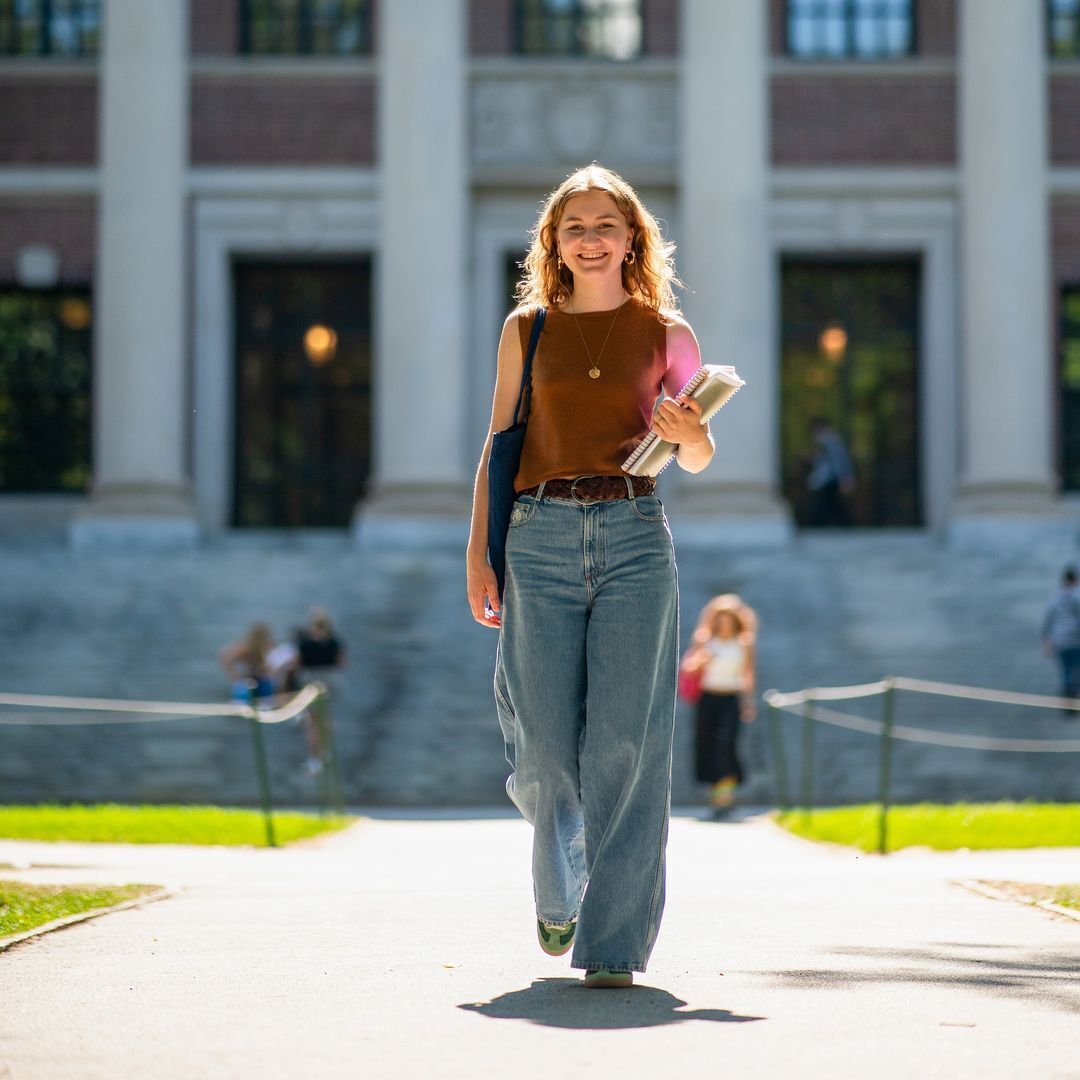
(405,947)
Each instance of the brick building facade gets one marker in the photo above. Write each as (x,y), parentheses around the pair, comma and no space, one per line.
(863,192)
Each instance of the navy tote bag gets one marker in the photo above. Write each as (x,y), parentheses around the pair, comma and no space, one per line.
(503,460)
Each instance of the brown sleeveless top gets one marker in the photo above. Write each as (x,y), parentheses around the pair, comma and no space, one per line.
(588,427)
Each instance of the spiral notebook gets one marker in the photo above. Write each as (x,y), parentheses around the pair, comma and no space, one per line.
(712,387)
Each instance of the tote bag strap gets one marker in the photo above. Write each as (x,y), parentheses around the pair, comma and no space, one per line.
(525,390)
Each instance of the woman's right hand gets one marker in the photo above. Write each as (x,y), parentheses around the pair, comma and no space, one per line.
(482,586)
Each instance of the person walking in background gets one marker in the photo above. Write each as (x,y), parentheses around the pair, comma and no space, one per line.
(1061,635)
(246,663)
(831,481)
(721,659)
(588,620)
(320,658)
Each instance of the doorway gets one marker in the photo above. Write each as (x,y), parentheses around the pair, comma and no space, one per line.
(303,392)
(850,356)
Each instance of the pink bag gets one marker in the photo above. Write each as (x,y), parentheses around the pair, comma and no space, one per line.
(690,684)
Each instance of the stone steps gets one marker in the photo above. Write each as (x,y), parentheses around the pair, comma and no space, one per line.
(418,724)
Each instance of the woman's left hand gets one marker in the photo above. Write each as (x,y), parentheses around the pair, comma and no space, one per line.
(748,712)
(678,420)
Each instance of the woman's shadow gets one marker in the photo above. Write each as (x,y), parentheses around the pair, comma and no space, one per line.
(566,1003)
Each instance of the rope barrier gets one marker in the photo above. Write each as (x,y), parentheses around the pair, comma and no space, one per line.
(808,705)
(919,686)
(939,738)
(270,710)
(152,711)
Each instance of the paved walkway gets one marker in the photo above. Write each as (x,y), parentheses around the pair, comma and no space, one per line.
(404,948)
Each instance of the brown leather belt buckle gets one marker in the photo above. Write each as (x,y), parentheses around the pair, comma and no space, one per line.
(574,495)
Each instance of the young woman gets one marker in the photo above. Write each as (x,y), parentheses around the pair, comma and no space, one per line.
(722,652)
(586,664)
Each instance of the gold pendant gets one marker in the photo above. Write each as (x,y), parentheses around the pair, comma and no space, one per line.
(594,373)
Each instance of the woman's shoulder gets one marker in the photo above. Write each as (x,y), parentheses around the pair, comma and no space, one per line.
(521,317)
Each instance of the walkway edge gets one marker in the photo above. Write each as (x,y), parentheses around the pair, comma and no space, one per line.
(1028,901)
(162,893)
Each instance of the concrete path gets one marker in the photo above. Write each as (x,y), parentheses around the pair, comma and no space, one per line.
(405,948)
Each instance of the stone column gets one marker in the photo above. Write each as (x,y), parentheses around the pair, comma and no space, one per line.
(141,493)
(1006,487)
(725,261)
(422,263)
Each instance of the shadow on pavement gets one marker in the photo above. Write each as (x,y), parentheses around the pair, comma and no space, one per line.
(566,1003)
(1046,975)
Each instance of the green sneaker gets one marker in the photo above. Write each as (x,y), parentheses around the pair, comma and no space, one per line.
(556,938)
(602,979)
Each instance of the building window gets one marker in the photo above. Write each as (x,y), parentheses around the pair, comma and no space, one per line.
(1063,24)
(45,390)
(305,27)
(1070,388)
(49,27)
(610,29)
(845,29)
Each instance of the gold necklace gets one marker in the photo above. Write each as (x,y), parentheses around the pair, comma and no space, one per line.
(594,371)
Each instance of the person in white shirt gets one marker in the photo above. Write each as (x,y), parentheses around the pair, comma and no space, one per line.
(722,654)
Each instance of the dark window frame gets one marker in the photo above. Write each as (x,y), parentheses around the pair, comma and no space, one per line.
(24,397)
(580,16)
(850,54)
(84,15)
(1051,51)
(305,31)
(1069,463)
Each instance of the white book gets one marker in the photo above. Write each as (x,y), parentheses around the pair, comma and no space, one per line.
(712,387)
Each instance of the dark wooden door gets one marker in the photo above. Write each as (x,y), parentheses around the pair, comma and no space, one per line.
(303,392)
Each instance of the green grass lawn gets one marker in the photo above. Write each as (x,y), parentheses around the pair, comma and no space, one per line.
(943,828)
(116,824)
(22,906)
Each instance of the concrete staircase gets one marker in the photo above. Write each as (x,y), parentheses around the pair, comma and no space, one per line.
(417,724)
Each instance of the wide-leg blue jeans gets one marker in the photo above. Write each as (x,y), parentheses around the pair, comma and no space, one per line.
(585,686)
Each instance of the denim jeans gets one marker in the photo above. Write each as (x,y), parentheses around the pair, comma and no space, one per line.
(585,687)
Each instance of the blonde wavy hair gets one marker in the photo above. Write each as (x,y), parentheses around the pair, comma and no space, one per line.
(650,277)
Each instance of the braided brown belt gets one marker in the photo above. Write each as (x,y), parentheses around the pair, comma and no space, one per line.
(596,488)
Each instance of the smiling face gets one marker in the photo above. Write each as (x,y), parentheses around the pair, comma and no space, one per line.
(593,236)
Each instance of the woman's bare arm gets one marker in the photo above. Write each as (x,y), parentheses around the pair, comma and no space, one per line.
(681,423)
(480,577)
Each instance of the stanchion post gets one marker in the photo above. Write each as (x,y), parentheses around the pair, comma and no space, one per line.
(779,762)
(808,753)
(263,774)
(330,774)
(887,709)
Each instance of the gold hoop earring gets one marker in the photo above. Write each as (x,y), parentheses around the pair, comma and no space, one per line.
(630,257)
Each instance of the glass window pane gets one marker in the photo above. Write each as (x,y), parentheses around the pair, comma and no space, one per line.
(602,28)
(45,381)
(1064,26)
(55,28)
(321,27)
(849,28)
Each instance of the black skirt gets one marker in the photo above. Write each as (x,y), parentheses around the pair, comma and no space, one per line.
(716,733)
